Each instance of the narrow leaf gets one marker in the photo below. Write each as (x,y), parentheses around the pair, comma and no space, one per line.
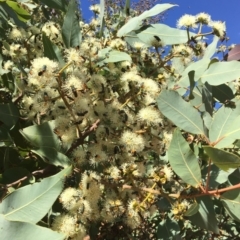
(2,71)
(231,202)
(192,83)
(167,35)
(23,230)
(159,8)
(168,229)
(52,156)
(42,135)
(225,126)
(31,203)
(211,49)
(222,92)
(221,72)
(183,161)
(71,30)
(136,22)
(198,67)
(107,55)
(223,159)
(207,98)
(127,7)
(180,112)
(22,14)
(206,216)
(216,176)
(101,16)
(58,4)
(192,210)
(9,114)
(52,51)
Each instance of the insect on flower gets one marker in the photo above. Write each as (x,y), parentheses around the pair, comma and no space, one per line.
(230,104)
(43,70)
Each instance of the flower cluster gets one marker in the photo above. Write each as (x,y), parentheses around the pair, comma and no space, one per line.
(191,22)
(105,117)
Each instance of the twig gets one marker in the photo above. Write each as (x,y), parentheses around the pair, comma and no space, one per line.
(80,140)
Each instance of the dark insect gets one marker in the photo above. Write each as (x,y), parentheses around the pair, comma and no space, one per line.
(43,70)
(46,97)
(157,38)
(5,97)
(74,91)
(230,104)
(81,114)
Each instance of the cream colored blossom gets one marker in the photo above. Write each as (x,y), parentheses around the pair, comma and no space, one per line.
(95,8)
(219,28)
(149,115)
(203,18)
(168,172)
(187,21)
(133,141)
(66,224)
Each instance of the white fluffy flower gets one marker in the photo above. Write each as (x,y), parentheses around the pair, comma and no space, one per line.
(203,18)
(73,55)
(138,45)
(68,197)
(187,21)
(168,172)
(65,224)
(95,8)
(219,28)
(133,141)
(149,115)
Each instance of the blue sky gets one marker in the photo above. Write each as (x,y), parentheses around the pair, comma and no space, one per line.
(227,11)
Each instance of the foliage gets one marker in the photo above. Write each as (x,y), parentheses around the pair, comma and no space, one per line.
(110,130)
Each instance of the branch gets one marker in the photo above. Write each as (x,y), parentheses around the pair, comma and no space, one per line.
(80,140)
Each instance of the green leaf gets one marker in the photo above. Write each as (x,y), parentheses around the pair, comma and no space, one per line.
(9,114)
(127,7)
(194,208)
(58,4)
(167,229)
(206,216)
(42,135)
(109,55)
(221,72)
(231,202)
(158,8)
(101,16)
(191,75)
(22,14)
(11,15)
(225,127)
(31,203)
(132,38)
(135,23)
(11,175)
(52,156)
(52,51)
(183,161)
(198,67)
(211,49)
(2,71)
(180,112)
(216,176)
(222,92)
(27,231)
(167,35)
(71,32)
(223,159)
(207,120)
